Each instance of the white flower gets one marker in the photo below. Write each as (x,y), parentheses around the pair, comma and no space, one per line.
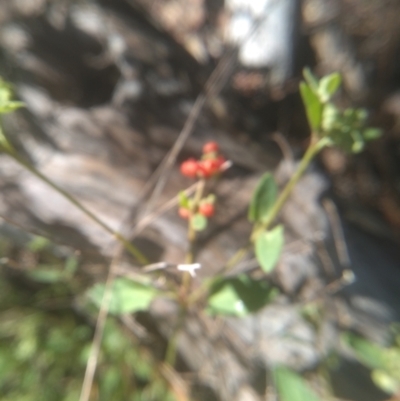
(191,268)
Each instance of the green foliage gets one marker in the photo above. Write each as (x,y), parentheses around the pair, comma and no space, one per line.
(46,354)
(313,106)
(263,199)
(198,222)
(384,362)
(346,129)
(239,296)
(268,248)
(6,104)
(127,296)
(328,86)
(292,387)
(184,200)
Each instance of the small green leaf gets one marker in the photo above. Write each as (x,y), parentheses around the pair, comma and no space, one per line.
(361,115)
(10,107)
(371,133)
(292,387)
(127,296)
(385,381)
(226,302)
(268,248)
(263,199)
(183,200)
(47,275)
(312,105)
(211,198)
(5,92)
(198,222)
(38,243)
(71,265)
(328,86)
(370,354)
(311,79)
(239,296)
(330,117)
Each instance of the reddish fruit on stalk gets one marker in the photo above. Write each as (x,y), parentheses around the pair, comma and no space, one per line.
(210,147)
(207,209)
(190,168)
(184,213)
(210,167)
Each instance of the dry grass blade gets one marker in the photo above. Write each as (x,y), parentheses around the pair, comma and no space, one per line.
(99,330)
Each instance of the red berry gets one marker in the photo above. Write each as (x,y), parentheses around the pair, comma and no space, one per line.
(190,168)
(210,147)
(184,213)
(210,167)
(206,209)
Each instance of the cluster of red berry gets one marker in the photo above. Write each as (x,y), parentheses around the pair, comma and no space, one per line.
(207,209)
(209,165)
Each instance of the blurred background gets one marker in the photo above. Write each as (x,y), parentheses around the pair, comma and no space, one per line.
(108,85)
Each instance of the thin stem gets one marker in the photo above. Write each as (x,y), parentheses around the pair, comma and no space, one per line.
(191,231)
(170,356)
(313,149)
(311,152)
(128,245)
(98,333)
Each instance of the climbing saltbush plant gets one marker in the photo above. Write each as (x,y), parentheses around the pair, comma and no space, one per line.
(329,126)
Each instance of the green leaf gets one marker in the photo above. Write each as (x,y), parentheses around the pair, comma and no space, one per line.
(371,133)
(198,222)
(38,243)
(239,296)
(183,200)
(330,117)
(263,199)
(47,275)
(292,387)
(268,247)
(5,92)
(312,105)
(328,86)
(226,301)
(385,381)
(370,354)
(127,296)
(71,265)
(211,198)
(311,79)
(10,107)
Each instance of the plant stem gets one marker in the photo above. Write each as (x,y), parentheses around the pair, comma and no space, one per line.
(141,258)
(313,149)
(170,356)
(191,231)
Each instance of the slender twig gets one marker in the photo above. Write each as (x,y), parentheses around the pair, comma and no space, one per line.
(99,330)
(141,258)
